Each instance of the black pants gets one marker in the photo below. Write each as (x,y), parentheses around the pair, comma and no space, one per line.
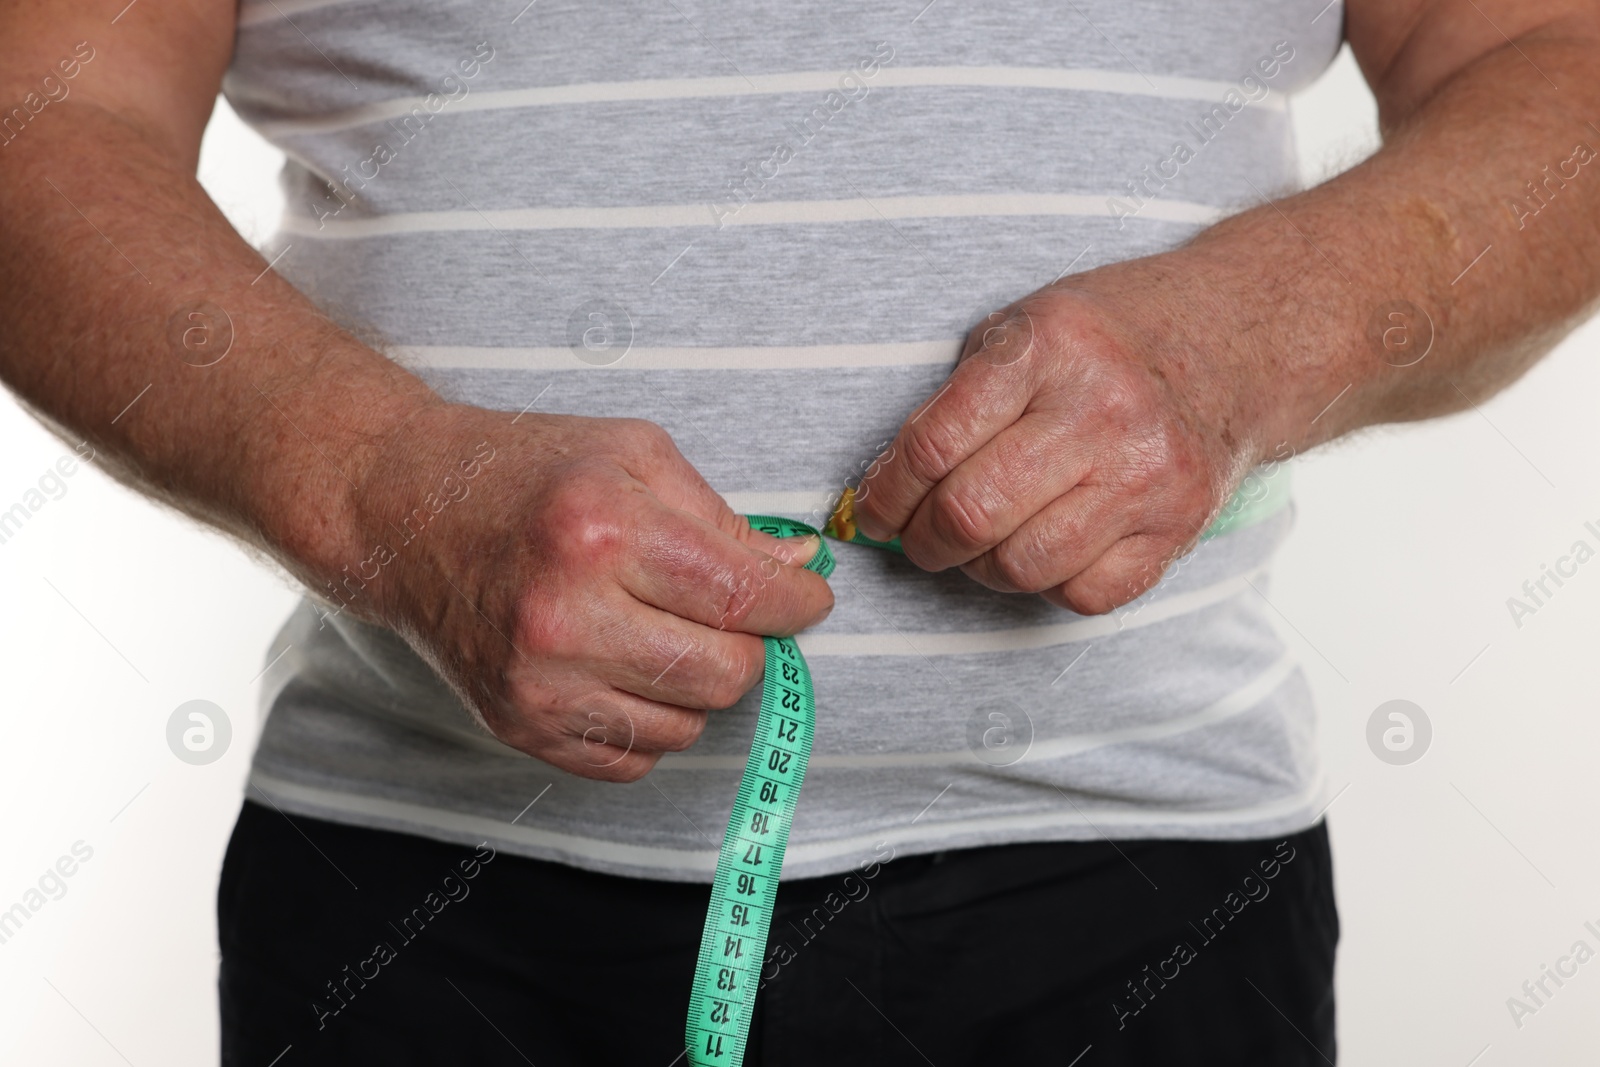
(1160,953)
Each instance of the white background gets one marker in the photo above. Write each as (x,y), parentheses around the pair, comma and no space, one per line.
(1458,876)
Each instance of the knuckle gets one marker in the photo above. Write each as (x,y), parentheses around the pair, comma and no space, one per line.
(737,594)
(1018,567)
(645,436)
(1091,596)
(822,603)
(1088,602)
(581,523)
(1143,464)
(876,464)
(1004,337)
(730,674)
(630,768)
(594,535)
(963,519)
(1155,466)
(1064,337)
(541,629)
(604,730)
(1117,403)
(1165,449)
(681,730)
(928,451)
(1146,576)
(798,600)
(599,537)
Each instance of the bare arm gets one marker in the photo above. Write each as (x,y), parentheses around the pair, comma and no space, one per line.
(584,591)
(1472,121)
(1151,387)
(109,242)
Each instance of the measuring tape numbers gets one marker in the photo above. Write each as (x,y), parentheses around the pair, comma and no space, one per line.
(733,944)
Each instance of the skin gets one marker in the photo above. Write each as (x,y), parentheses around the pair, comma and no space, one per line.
(1096,427)
(585,592)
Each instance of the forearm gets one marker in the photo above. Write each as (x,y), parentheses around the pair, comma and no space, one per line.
(107,243)
(1295,289)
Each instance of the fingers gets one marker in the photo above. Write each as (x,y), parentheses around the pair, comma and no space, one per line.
(613,598)
(980,399)
(986,499)
(661,657)
(791,551)
(1051,547)
(610,716)
(1006,336)
(612,736)
(675,483)
(694,496)
(1121,573)
(620,680)
(702,561)
(688,567)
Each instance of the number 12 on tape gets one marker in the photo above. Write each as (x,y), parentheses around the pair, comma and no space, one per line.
(734,942)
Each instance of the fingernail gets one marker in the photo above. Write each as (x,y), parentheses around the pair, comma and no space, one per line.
(870,529)
(801,549)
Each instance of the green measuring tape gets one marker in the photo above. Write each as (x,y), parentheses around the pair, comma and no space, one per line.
(733,944)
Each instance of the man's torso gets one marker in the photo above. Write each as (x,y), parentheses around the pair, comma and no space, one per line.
(767,227)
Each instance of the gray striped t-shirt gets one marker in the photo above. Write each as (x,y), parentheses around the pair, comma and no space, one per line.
(748,219)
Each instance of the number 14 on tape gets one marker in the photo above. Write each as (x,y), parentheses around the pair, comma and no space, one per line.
(734,942)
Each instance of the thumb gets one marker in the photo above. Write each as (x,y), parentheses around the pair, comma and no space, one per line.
(790,551)
(690,492)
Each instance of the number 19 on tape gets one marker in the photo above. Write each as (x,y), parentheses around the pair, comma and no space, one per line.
(734,941)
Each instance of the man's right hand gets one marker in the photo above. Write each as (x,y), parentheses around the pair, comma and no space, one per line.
(588,597)
(582,588)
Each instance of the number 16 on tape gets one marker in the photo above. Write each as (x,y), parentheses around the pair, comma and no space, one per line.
(734,942)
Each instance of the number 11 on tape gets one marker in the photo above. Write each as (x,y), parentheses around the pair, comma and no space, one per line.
(734,942)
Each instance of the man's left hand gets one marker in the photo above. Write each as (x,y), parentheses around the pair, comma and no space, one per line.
(1086,438)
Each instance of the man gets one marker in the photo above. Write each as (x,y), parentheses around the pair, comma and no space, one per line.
(563,289)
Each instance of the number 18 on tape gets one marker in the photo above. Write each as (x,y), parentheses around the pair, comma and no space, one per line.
(733,944)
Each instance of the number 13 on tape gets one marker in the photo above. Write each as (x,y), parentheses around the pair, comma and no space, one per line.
(734,942)
(733,945)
